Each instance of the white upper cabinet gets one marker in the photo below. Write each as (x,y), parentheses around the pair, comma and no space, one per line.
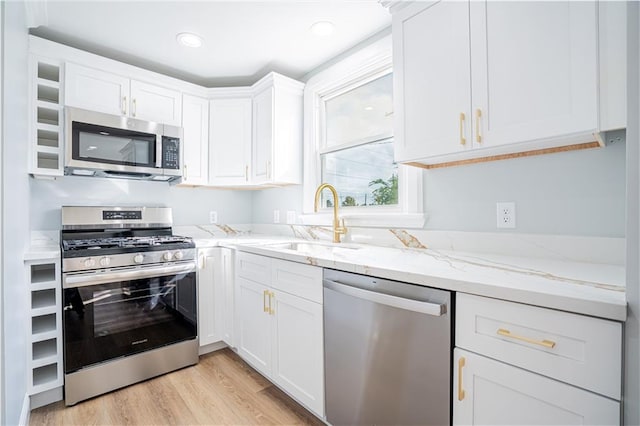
(96,90)
(195,139)
(230,140)
(277,131)
(101,91)
(534,70)
(432,90)
(612,37)
(154,103)
(478,79)
(263,135)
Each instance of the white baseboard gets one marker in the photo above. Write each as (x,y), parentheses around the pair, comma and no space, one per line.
(211,347)
(47,397)
(26,411)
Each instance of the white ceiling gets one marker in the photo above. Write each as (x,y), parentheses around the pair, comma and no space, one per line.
(243,40)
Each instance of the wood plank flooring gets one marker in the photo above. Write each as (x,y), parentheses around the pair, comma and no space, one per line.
(221,390)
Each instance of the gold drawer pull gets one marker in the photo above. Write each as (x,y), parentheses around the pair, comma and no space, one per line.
(546,343)
(461,363)
(265,293)
(462,139)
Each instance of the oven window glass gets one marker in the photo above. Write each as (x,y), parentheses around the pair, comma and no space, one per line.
(113,146)
(107,321)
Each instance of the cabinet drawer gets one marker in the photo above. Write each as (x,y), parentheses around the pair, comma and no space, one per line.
(253,267)
(576,349)
(297,279)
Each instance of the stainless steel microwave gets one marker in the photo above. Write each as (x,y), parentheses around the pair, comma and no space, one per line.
(106,145)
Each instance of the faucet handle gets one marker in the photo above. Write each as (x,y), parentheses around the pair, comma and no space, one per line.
(341,229)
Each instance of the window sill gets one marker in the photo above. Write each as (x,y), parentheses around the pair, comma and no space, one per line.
(373,220)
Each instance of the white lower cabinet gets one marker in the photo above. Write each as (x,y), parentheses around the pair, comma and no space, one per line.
(489,392)
(518,364)
(279,332)
(215,296)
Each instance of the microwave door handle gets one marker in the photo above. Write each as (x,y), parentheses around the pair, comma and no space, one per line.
(159,151)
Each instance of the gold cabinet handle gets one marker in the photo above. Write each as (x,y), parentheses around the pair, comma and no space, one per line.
(203,262)
(268,166)
(184,172)
(135,107)
(545,343)
(272,295)
(461,363)
(124,105)
(463,141)
(265,293)
(246,173)
(478,116)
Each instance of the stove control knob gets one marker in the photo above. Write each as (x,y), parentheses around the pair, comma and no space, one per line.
(105,261)
(178,255)
(89,262)
(166,256)
(138,258)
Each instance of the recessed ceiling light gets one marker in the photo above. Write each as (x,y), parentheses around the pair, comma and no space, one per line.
(368,108)
(189,39)
(322,28)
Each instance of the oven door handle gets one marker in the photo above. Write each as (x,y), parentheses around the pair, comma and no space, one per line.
(87,279)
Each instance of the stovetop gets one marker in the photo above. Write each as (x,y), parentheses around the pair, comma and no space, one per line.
(83,247)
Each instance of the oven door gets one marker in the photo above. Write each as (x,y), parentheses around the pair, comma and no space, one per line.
(112,314)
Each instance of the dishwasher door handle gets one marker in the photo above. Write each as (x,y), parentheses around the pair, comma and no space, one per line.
(434,309)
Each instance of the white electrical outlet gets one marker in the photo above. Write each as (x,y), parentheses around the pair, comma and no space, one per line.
(276,216)
(506,215)
(291,217)
(213,217)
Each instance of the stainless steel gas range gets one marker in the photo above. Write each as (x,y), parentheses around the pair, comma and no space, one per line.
(129,298)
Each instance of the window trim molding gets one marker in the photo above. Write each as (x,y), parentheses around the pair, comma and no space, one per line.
(367,63)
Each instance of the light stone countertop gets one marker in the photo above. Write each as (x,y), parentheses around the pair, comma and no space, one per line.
(588,288)
(585,288)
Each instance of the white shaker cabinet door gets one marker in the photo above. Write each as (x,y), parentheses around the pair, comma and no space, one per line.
(297,351)
(227,288)
(534,70)
(208,266)
(229,141)
(195,140)
(95,90)
(432,93)
(263,132)
(488,392)
(253,324)
(154,103)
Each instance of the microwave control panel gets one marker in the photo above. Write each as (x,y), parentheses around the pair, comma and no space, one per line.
(170,153)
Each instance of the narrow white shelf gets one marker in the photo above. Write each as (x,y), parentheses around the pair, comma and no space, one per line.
(43,323)
(44,350)
(42,299)
(45,335)
(48,83)
(49,104)
(45,374)
(44,272)
(48,127)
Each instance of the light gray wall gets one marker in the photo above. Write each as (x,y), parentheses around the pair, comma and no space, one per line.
(632,326)
(15,221)
(282,199)
(190,206)
(571,193)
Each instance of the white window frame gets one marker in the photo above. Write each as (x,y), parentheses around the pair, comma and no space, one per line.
(361,67)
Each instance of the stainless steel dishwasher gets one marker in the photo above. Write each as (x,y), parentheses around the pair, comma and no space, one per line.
(387,351)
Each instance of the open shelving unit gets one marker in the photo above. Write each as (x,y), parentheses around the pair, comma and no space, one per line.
(45,330)
(47,120)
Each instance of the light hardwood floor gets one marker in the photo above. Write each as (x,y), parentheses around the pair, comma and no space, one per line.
(221,390)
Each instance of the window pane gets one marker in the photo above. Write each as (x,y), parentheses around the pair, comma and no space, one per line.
(362,114)
(364,175)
